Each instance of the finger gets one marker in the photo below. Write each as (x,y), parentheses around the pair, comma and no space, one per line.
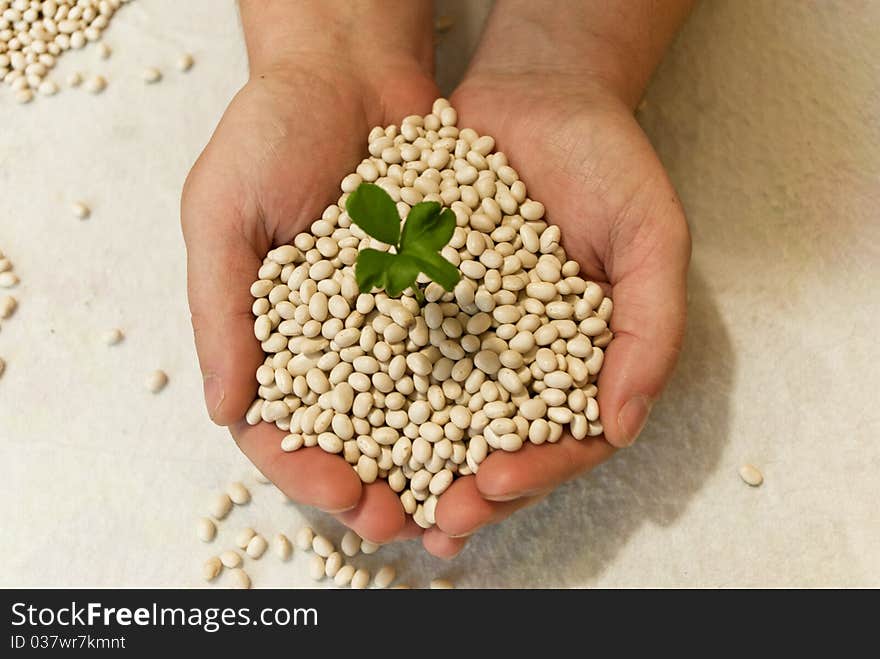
(310,475)
(649,292)
(221,262)
(441,545)
(534,469)
(462,510)
(410,530)
(378,516)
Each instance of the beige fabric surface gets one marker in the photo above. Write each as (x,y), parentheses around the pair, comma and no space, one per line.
(767,115)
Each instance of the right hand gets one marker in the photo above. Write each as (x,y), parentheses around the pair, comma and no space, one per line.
(271,167)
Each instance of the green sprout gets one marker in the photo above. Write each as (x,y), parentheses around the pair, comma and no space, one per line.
(427,230)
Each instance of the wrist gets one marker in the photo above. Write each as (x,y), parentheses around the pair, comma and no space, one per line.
(587,75)
(368,39)
(607,47)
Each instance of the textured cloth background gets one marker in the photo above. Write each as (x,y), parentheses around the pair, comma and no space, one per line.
(767,115)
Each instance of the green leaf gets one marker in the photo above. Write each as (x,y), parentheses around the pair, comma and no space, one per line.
(435,266)
(371,268)
(402,274)
(427,227)
(418,222)
(374,211)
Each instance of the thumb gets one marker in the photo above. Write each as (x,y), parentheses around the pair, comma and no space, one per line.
(222,243)
(649,280)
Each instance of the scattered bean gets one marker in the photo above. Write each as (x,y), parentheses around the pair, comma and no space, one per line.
(384,577)
(185,62)
(304,538)
(206,529)
(8,305)
(360,579)
(156,381)
(351,543)
(239,494)
(751,475)
(151,74)
(220,507)
(80,210)
(230,558)
(368,547)
(112,336)
(257,546)
(316,567)
(344,575)
(333,563)
(240,579)
(212,568)
(96,84)
(243,537)
(322,546)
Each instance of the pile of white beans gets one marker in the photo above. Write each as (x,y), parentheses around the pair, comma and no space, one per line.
(419,394)
(34,33)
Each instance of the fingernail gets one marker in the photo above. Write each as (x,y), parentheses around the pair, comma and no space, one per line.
(501,498)
(632,418)
(338,511)
(214,395)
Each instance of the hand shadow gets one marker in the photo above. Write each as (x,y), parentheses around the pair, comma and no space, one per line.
(574,535)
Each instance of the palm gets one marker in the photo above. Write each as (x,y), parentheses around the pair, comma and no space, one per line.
(272,166)
(590,164)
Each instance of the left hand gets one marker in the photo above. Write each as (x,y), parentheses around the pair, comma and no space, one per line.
(582,154)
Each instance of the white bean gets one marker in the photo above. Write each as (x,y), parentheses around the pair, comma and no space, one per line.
(156,381)
(332,564)
(206,530)
(238,493)
(230,559)
(368,547)
(304,537)
(96,84)
(351,543)
(317,567)
(360,579)
(384,577)
(257,546)
(751,475)
(151,74)
(281,546)
(440,482)
(344,575)
(322,546)
(240,579)
(111,337)
(80,210)
(185,62)
(220,506)
(243,537)
(211,568)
